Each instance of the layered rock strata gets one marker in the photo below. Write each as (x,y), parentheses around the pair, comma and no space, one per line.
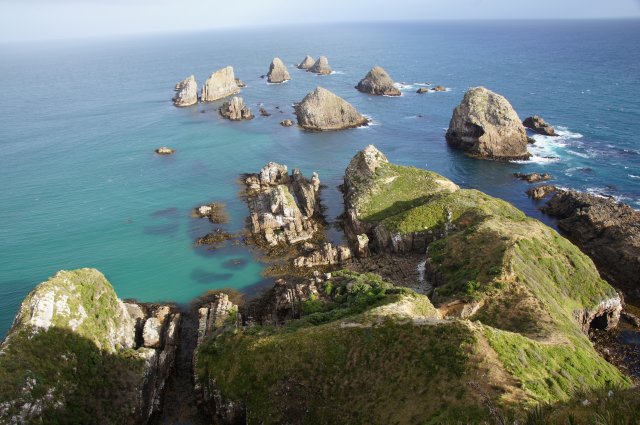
(282,207)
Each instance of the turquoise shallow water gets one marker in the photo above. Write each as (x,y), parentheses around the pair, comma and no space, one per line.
(81,186)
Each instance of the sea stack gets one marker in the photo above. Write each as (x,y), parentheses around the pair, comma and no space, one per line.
(235,110)
(187,92)
(322,110)
(220,84)
(321,66)
(538,125)
(485,125)
(278,72)
(306,63)
(378,82)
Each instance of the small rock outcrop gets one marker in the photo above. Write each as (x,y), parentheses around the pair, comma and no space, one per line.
(605,230)
(215,212)
(306,63)
(439,88)
(235,110)
(327,255)
(538,125)
(485,125)
(378,82)
(286,123)
(187,92)
(220,84)
(422,90)
(165,151)
(240,83)
(321,110)
(282,207)
(532,177)
(321,66)
(277,72)
(540,192)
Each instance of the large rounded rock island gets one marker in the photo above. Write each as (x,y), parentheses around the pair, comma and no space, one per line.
(322,110)
(485,125)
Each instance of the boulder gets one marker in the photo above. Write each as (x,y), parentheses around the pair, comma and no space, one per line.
(606,230)
(286,123)
(264,112)
(277,72)
(538,125)
(240,83)
(485,125)
(220,84)
(533,177)
(439,88)
(422,90)
(306,63)
(165,151)
(540,192)
(321,66)
(235,110)
(322,110)
(187,92)
(215,212)
(378,82)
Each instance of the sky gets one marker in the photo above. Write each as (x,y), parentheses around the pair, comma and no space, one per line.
(32,20)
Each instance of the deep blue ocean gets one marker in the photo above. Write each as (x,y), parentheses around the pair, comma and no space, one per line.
(79,120)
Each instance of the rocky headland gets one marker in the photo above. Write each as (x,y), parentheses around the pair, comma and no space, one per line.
(607,230)
(277,72)
(187,92)
(220,84)
(235,110)
(321,66)
(378,82)
(485,125)
(322,110)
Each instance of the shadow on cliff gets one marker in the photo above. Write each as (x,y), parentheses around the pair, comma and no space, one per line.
(59,377)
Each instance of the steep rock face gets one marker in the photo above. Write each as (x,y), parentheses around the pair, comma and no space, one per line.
(306,63)
(607,231)
(321,110)
(276,216)
(538,125)
(485,125)
(187,92)
(321,66)
(235,110)
(277,72)
(214,316)
(220,84)
(78,318)
(378,82)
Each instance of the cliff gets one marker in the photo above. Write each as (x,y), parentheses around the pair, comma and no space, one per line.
(78,354)
(504,330)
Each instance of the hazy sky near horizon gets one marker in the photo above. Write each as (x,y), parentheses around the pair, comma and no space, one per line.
(29,20)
